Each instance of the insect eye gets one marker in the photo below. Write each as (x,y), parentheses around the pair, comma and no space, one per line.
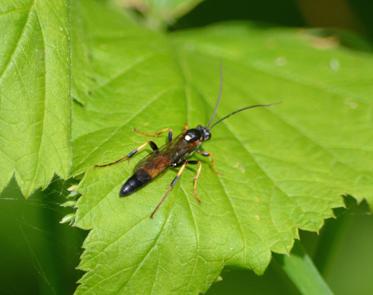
(206,135)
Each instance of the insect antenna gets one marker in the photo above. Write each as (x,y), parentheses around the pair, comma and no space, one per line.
(219,97)
(240,110)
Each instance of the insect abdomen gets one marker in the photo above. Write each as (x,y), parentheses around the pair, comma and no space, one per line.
(136,181)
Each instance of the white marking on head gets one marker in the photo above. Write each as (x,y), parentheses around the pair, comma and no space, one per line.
(187,137)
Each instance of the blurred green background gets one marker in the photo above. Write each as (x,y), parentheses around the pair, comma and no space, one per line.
(39,256)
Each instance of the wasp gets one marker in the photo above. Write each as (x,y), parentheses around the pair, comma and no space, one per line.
(175,153)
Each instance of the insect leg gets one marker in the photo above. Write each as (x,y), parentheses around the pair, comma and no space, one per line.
(195,181)
(185,127)
(157,133)
(170,187)
(132,153)
(152,133)
(169,135)
(208,154)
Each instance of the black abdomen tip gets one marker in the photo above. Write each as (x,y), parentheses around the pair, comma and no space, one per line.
(127,189)
(136,181)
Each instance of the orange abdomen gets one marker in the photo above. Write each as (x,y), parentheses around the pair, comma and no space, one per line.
(157,165)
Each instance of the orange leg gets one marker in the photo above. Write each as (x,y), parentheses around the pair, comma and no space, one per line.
(211,157)
(195,182)
(131,154)
(185,127)
(156,133)
(169,189)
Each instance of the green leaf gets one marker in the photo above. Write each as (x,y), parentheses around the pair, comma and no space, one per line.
(34,92)
(162,11)
(281,169)
(170,10)
(303,273)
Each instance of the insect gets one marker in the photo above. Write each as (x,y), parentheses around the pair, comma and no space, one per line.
(175,153)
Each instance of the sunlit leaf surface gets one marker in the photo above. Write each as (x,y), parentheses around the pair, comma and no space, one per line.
(280,169)
(34,92)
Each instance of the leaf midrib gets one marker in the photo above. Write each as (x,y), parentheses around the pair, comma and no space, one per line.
(42,111)
(119,128)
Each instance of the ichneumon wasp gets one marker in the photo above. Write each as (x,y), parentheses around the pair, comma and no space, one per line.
(175,153)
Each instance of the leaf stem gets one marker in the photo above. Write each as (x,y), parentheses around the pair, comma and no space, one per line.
(302,272)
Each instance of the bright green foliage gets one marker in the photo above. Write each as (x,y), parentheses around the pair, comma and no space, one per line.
(281,168)
(34,92)
(160,11)
(169,10)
